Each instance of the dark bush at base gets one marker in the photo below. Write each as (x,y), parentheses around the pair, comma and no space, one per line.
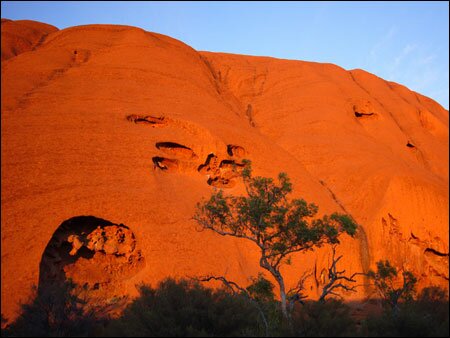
(328,319)
(428,316)
(53,312)
(186,309)
(189,309)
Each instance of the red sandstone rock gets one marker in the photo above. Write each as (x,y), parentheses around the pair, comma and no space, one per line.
(21,36)
(68,150)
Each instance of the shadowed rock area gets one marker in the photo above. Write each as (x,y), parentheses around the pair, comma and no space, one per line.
(94,254)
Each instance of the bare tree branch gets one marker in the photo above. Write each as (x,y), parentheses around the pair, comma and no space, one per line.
(229,284)
(336,276)
(295,294)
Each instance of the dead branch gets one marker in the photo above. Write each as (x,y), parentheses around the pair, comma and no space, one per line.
(336,277)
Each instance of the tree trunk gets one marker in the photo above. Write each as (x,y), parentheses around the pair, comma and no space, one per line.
(275,273)
(283,297)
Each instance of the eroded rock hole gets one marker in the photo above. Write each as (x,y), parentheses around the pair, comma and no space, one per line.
(358,114)
(223,174)
(176,149)
(96,255)
(234,150)
(147,119)
(231,165)
(435,252)
(221,182)
(364,109)
(410,145)
(210,165)
(165,164)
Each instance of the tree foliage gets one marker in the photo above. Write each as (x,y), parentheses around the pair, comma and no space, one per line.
(261,289)
(279,226)
(390,286)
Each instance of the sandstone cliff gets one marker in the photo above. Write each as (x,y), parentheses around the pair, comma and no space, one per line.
(130,129)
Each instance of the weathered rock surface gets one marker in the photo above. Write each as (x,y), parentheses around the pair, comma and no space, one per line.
(350,141)
(21,36)
(99,257)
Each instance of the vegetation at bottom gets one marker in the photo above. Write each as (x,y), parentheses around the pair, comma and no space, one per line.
(187,308)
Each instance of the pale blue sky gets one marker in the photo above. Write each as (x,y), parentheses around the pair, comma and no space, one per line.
(405,42)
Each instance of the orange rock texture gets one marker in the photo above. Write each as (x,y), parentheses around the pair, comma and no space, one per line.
(22,36)
(111,135)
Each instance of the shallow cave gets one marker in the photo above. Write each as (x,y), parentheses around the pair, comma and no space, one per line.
(147,119)
(209,165)
(165,164)
(175,149)
(94,254)
(160,145)
(234,150)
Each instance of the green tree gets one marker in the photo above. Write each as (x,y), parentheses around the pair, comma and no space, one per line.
(390,286)
(278,226)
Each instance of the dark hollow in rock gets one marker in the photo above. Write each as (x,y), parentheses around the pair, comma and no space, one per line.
(231,165)
(435,252)
(410,145)
(414,236)
(176,149)
(223,174)
(94,254)
(165,164)
(234,150)
(147,119)
(221,182)
(210,165)
(358,114)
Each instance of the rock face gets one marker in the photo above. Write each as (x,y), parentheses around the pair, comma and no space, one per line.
(113,122)
(22,36)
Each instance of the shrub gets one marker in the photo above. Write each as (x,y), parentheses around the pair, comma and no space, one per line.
(323,319)
(390,286)
(186,309)
(428,316)
(54,311)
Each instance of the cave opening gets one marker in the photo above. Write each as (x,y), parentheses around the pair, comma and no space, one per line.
(92,254)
